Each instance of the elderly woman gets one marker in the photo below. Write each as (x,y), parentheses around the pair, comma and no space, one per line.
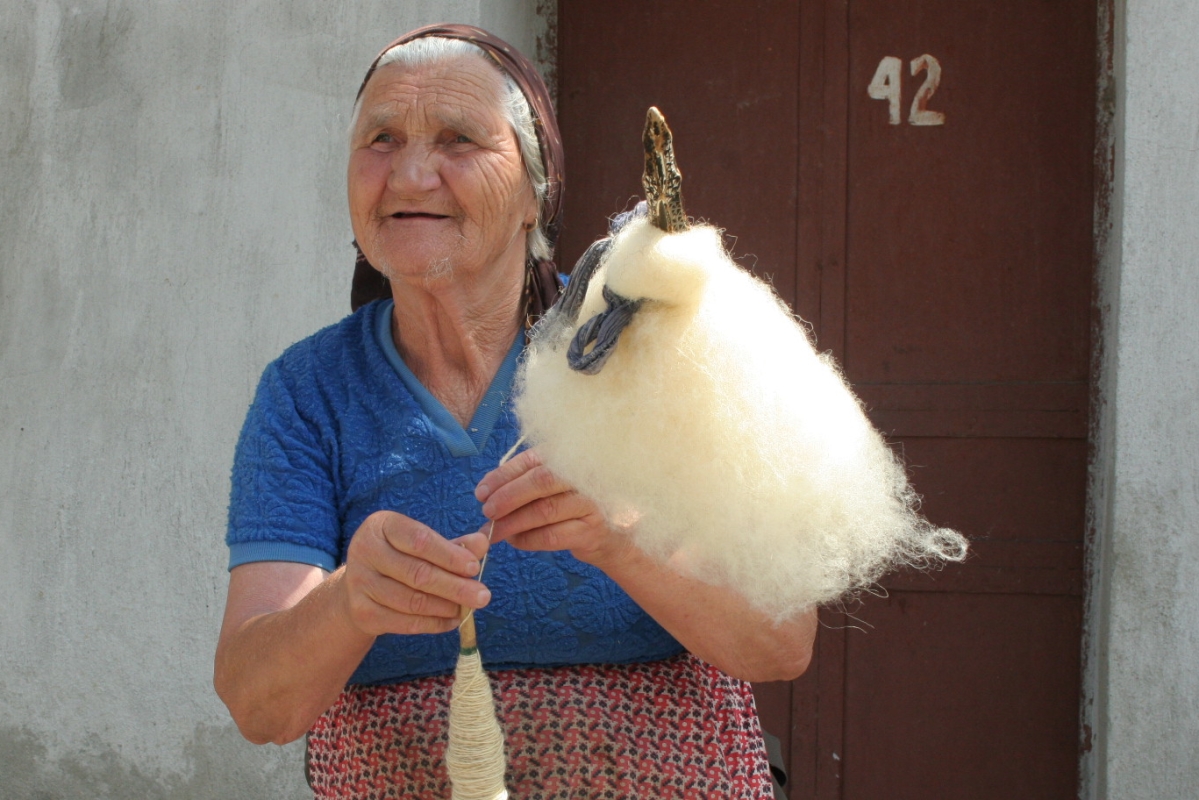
(366,477)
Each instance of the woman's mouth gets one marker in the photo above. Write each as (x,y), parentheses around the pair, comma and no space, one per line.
(417,215)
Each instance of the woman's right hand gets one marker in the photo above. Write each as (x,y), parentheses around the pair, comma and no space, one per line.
(404,577)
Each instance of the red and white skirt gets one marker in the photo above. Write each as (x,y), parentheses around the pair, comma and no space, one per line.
(667,729)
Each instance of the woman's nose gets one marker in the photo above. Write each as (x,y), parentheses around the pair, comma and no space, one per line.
(414,169)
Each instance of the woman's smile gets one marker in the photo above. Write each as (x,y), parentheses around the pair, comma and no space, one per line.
(418,216)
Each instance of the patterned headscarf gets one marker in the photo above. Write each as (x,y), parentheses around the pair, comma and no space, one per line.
(542,284)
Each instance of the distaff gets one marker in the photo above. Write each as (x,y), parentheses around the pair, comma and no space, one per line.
(682,393)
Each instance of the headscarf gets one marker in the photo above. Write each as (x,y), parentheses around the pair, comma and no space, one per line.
(542,284)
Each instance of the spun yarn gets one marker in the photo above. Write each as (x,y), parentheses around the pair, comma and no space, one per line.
(475,755)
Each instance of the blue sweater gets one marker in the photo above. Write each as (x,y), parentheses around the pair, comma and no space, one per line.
(341,428)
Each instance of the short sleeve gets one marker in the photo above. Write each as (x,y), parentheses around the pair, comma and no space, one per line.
(283,502)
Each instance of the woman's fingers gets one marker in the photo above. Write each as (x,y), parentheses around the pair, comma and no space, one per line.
(564,535)
(544,512)
(533,509)
(407,536)
(588,539)
(514,467)
(398,608)
(475,543)
(406,578)
(523,480)
(427,579)
(505,474)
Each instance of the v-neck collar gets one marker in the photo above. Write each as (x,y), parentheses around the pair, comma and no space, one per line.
(460,442)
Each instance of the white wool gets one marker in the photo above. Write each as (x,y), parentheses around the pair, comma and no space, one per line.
(716,430)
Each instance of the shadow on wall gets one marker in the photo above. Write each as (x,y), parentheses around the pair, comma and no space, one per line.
(221,764)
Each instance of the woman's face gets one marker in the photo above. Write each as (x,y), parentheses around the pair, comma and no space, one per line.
(436,182)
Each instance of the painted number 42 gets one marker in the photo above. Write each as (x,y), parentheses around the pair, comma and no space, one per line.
(886,86)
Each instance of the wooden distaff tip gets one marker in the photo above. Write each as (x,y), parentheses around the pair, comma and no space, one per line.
(662,180)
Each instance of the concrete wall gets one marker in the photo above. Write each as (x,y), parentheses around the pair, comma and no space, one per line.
(172,215)
(1145,619)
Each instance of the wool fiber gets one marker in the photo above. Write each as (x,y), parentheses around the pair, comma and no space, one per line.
(718,437)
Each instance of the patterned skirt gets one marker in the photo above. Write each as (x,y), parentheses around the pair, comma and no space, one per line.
(667,729)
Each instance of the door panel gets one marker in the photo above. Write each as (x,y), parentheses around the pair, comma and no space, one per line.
(976,659)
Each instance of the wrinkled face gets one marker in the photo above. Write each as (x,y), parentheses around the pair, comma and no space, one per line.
(436,183)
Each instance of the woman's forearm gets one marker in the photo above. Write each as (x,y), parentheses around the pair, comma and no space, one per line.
(278,670)
(714,622)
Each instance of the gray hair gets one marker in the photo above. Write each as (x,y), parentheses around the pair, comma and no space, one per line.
(431,50)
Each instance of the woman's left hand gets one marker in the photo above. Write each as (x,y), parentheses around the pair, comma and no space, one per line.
(534,509)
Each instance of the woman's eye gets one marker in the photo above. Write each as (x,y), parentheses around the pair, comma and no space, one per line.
(383,142)
(462,139)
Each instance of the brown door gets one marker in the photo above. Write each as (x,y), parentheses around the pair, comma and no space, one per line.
(916,178)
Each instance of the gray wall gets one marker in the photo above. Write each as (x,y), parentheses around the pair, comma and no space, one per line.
(172,215)
(1144,650)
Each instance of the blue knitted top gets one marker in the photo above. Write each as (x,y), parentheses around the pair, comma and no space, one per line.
(341,428)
